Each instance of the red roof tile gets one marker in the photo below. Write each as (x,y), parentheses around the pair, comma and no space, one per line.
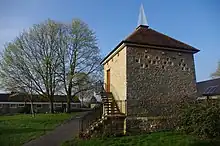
(148,36)
(143,35)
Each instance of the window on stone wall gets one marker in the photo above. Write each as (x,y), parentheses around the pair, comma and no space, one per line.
(157,57)
(180,64)
(182,60)
(147,57)
(149,61)
(165,62)
(154,62)
(170,63)
(183,68)
(163,67)
(174,57)
(168,59)
(184,64)
(146,66)
(142,65)
(158,62)
(138,60)
(188,69)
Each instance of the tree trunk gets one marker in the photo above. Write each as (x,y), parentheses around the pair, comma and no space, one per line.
(68,104)
(82,105)
(32,109)
(51,105)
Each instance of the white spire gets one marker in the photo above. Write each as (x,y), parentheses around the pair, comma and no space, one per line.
(142,18)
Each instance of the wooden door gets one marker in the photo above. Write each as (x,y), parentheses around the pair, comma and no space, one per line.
(108,81)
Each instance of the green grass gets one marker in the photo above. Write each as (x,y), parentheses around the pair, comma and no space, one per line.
(154,139)
(18,129)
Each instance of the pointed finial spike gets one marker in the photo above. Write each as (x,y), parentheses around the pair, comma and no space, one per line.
(142,18)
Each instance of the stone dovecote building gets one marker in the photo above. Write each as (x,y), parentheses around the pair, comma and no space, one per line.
(150,71)
(146,76)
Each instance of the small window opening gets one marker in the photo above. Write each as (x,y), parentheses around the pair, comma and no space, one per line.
(173,57)
(137,60)
(142,65)
(182,60)
(168,59)
(171,63)
(165,62)
(154,61)
(163,67)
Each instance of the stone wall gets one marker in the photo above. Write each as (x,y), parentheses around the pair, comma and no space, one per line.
(142,125)
(157,80)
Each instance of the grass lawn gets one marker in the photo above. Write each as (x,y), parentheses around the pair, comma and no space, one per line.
(154,139)
(18,129)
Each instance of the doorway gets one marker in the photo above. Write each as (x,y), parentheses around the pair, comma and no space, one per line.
(108,81)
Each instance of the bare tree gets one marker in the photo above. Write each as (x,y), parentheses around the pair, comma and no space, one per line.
(81,59)
(33,58)
(216,74)
(54,57)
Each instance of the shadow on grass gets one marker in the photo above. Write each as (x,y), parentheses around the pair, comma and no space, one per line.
(206,143)
(21,130)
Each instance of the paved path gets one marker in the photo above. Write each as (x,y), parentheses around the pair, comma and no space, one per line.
(62,133)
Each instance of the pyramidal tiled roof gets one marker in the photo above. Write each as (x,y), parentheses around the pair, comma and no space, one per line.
(143,35)
(147,36)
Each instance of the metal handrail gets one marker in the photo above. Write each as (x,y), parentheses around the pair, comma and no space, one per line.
(90,117)
(97,112)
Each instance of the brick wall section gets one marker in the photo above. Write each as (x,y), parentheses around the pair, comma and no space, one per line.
(158,80)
